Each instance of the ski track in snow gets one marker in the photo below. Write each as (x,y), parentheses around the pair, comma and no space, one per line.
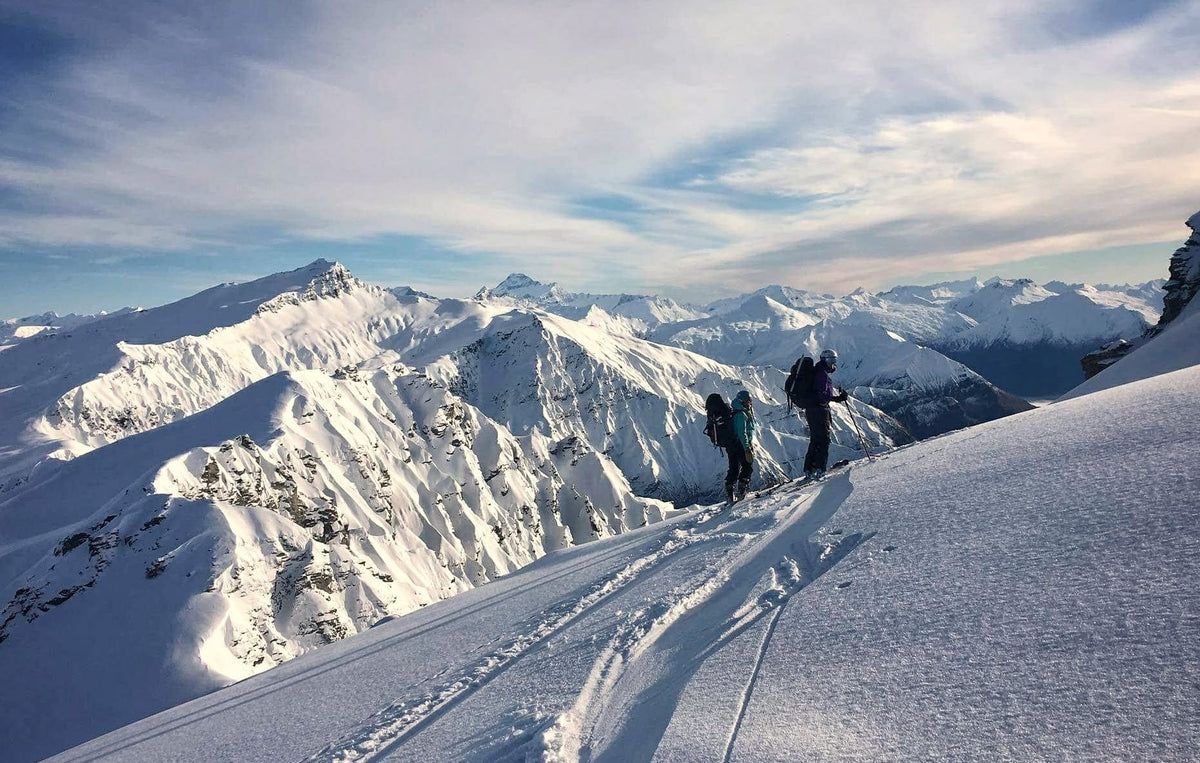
(379,736)
(568,736)
(774,601)
(574,735)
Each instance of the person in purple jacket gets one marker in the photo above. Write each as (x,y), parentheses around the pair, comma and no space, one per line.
(820,420)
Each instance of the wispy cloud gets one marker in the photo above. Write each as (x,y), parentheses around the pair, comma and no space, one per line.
(752,141)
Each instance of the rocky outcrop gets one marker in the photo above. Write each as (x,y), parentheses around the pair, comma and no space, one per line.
(1180,289)
(1098,360)
(1185,276)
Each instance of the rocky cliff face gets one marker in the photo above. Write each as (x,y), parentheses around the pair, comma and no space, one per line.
(1182,286)
(1185,275)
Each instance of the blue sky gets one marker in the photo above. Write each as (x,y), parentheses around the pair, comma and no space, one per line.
(151,149)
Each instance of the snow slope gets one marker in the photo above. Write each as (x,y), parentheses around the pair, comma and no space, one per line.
(298,511)
(260,471)
(1020,590)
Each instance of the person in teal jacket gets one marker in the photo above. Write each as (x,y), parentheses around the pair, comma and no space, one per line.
(741,450)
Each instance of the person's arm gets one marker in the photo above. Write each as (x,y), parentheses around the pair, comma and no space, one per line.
(823,386)
(740,423)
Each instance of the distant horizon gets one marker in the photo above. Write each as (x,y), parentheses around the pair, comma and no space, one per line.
(933,280)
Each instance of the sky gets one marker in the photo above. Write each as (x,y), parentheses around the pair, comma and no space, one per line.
(152,149)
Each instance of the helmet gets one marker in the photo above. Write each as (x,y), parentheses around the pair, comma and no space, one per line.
(742,397)
(830,357)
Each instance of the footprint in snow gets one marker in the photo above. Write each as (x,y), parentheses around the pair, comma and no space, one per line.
(772,598)
(847,584)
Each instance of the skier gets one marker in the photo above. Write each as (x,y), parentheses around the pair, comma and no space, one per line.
(819,418)
(740,448)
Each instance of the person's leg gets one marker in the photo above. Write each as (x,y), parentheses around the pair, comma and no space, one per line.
(744,478)
(813,417)
(821,459)
(737,457)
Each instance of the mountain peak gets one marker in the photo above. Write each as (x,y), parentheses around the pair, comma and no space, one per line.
(521,287)
(320,278)
(517,281)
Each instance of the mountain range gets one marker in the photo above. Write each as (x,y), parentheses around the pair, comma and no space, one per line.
(193,493)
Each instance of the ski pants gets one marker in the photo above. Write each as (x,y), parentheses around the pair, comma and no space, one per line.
(739,469)
(820,420)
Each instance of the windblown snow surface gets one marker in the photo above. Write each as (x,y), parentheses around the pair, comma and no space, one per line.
(1021,590)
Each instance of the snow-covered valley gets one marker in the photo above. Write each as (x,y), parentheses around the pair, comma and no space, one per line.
(195,493)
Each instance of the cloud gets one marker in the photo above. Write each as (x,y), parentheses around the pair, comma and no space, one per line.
(813,144)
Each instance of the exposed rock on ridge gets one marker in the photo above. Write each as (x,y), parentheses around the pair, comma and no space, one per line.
(1185,276)
(1180,289)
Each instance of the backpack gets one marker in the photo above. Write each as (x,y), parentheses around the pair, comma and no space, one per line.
(719,423)
(799,384)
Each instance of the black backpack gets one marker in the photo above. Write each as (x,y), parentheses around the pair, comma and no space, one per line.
(719,424)
(799,384)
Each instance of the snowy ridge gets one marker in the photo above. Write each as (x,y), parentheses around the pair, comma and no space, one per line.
(924,390)
(69,392)
(1173,347)
(1020,336)
(1021,312)
(337,507)
(631,399)
(643,313)
(1179,293)
(13,330)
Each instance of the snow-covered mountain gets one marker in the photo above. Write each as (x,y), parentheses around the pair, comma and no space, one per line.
(1028,338)
(1021,337)
(1011,335)
(13,330)
(927,392)
(268,467)
(639,313)
(1174,343)
(1023,590)
(923,389)
(264,468)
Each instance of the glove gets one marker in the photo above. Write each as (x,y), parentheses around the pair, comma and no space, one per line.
(750,454)
(841,396)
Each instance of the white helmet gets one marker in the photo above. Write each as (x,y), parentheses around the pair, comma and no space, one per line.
(830,357)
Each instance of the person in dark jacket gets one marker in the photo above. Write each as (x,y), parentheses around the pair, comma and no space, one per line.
(740,448)
(819,418)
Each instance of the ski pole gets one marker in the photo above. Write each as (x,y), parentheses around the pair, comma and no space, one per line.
(861,439)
